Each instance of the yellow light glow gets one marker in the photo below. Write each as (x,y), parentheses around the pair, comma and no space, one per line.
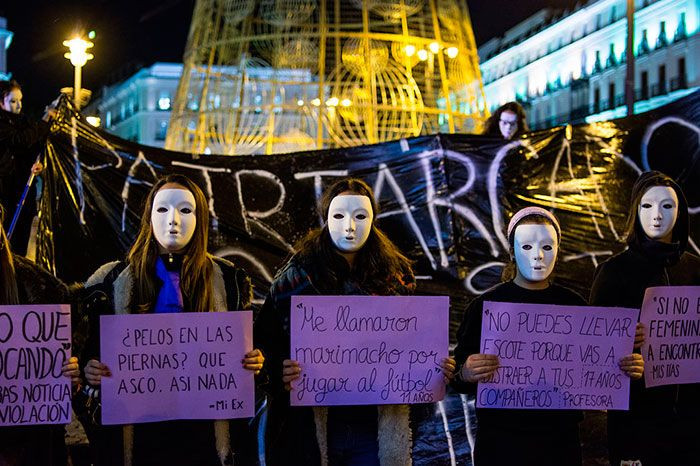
(300,102)
(346,102)
(422,54)
(410,50)
(316,102)
(78,55)
(332,102)
(94,121)
(452,52)
(434,47)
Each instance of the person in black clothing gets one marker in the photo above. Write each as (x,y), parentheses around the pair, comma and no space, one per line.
(661,426)
(511,436)
(350,255)
(23,282)
(21,140)
(168,270)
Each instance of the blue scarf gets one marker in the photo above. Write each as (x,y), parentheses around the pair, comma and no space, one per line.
(169,296)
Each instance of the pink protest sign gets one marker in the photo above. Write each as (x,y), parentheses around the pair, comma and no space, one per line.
(176,366)
(556,357)
(359,350)
(671,316)
(35,341)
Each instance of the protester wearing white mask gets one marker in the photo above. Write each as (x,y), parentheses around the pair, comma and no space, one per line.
(661,424)
(171,244)
(349,255)
(511,436)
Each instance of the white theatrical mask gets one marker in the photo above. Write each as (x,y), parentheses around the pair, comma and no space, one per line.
(658,211)
(173,218)
(350,221)
(536,247)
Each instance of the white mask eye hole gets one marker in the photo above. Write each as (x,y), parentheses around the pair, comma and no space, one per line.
(527,247)
(360,216)
(547,247)
(161,210)
(338,216)
(668,205)
(646,205)
(186,210)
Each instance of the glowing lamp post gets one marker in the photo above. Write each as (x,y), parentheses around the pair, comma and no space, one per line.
(78,57)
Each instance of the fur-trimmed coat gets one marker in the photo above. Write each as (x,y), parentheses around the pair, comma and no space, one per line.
(298,435)
(232,291)
(30,445)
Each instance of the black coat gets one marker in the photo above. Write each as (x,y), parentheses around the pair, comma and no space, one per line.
(660,426)
(21,140)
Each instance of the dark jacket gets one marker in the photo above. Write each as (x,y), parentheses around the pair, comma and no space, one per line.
(622,281)
(20,141)
(32,445)
(298,435)
(200,442)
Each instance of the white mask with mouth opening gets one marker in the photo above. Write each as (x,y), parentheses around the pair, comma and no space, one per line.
(173,218)
(350,221)
(658,212)
(536,247)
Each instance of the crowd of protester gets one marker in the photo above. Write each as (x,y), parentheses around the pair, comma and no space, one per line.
(169,270)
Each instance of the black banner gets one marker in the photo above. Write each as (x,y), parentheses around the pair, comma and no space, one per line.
(445,200)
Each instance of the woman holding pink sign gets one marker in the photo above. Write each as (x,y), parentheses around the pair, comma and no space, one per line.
(23,282)
(350,255)
(660,427)
(523,436)
(169,270)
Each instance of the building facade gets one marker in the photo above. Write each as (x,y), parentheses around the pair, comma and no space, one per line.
(138,108)
(569,67)
(5,41)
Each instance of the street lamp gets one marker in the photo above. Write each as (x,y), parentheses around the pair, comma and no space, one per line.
(78,57)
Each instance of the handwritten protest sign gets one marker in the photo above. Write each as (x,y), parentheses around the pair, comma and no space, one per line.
(35,342)
(176,366)
(671,316)
(356,350)
(556,357)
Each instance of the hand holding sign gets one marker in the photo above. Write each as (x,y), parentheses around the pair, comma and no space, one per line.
(479,367)
(290,372)
(71,369)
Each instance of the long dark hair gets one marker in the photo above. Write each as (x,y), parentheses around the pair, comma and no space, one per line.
(197,265)
(8,280)
(376,264)
(8,86)
(491,128)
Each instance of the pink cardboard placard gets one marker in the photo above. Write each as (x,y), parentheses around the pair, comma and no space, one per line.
(556,357)
(671,315)
(35,341)
(176,366)
(359,350)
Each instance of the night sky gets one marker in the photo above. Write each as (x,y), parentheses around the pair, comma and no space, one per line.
(132,34)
